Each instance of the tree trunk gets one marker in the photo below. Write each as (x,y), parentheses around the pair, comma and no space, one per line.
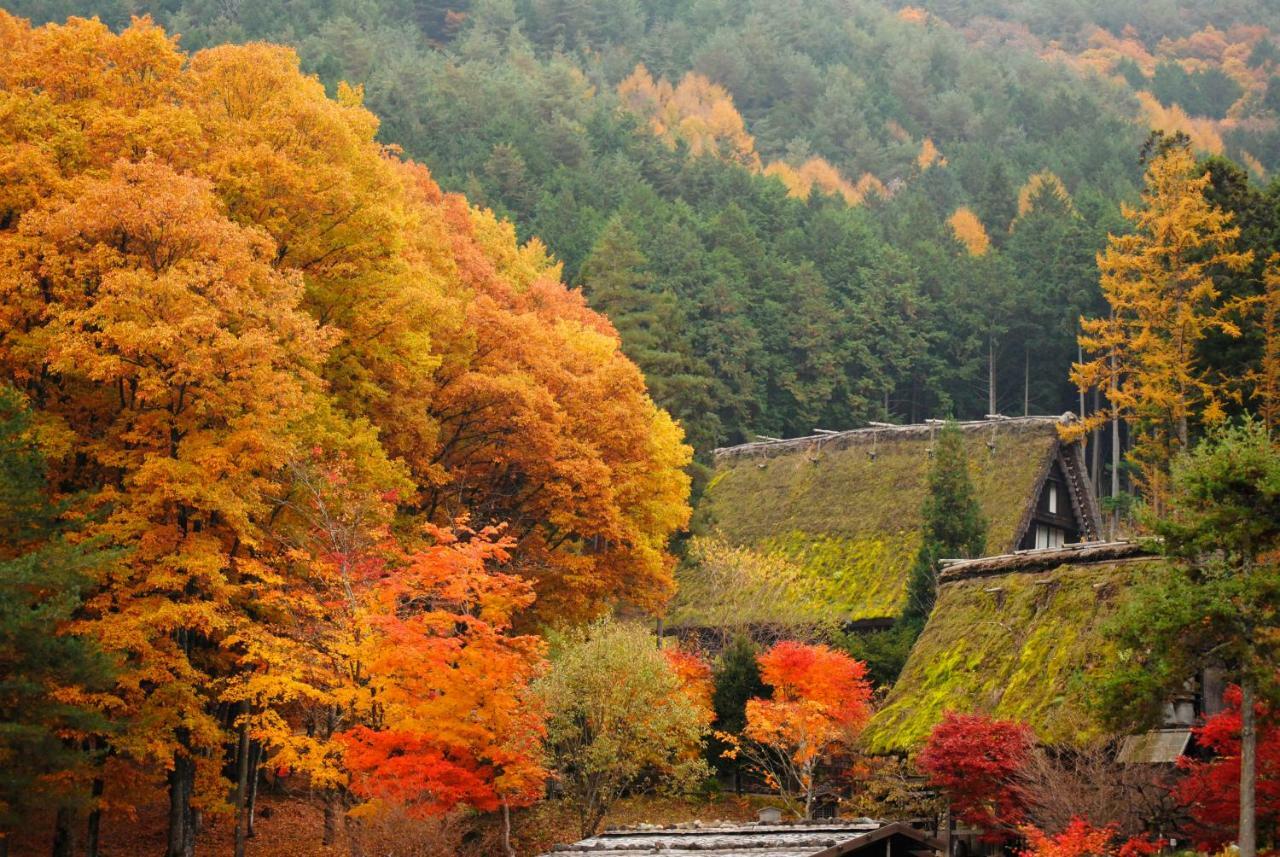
(1115,454)
(991,375)
(1248,839)
(4,843)
(330,817)
(242,783)
(506,829)
(64,837)
(95,817)
(1095,449)
(182,833)
(355,835)
(255,760)
(1026,380)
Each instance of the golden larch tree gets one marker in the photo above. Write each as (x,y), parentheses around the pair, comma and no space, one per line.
(1160,283)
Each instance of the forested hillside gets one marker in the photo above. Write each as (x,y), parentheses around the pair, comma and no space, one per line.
(664,153)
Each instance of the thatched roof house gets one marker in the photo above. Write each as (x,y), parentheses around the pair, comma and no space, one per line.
(841,512)
(807,839)
(1016,636)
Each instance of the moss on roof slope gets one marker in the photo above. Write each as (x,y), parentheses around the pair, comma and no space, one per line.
(851,521)
(1018,646)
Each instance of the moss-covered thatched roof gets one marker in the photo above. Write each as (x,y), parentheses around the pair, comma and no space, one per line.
(1016,637)
(845,509)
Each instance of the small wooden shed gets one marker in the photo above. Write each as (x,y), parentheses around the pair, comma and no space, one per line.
(826,839)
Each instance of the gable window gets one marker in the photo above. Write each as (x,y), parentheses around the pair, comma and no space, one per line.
(1049,537)
(1053,498)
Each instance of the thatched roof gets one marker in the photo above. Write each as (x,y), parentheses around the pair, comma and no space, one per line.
(843,511)
(1017,637)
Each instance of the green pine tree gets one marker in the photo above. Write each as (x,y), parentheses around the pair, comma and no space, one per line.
(736,679)
(43,739)
(953,523)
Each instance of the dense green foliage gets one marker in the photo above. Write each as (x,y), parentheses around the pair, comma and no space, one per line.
(45,728)
(736,679)
(1216,604)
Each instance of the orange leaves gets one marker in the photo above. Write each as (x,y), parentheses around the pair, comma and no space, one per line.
(833,683)
(820,703)
(929,155)
(969,231)
(275,355)
(1202,132)
(450,717)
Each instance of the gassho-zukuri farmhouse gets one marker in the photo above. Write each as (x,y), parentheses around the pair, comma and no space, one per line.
(1016,633)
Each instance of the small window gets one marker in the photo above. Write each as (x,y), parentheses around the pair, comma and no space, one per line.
(1053,498)
(1049,537)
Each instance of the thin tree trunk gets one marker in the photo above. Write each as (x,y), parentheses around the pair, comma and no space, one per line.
(255,759)
(95,817)
(4,843)
(64,837)
(1095,448)
(1248,840)
(181,818)
(506,829)
(991,375)
(1026,380)
(1080,358)
(1115,454)
(242,783)
(330,817)
(355,835)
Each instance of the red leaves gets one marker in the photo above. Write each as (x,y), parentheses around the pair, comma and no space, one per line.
(413,770)
(977,759)
(1211,790)
(1082,839)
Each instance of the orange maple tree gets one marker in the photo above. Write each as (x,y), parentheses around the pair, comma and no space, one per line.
(820,702)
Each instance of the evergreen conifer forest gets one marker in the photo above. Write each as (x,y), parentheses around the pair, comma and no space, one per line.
(436,427)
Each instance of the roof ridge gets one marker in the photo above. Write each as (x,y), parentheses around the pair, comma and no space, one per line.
(881,430)
(1043,559)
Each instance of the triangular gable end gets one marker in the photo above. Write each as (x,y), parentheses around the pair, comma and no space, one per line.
(1062,508)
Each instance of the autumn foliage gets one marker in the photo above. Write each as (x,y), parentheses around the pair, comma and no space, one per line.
(819,703)
(274,366)
(977,760)
(1210,791)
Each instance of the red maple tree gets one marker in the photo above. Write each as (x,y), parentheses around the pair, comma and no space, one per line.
(977,760)
(1211,790)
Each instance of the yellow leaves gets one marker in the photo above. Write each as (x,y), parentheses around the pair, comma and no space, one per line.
(1159,281)
(1202,132)
(969,231)
(1040,183)
(700,114)
(695,112)
(929,156)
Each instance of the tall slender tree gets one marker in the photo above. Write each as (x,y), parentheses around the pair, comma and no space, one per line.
(1161,282)
(953,522)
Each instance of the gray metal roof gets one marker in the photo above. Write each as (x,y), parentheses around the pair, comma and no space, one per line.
(1159,747)
(809,839)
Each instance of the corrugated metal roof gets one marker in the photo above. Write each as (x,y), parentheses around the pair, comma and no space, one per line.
(746,840)
(1162,746)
